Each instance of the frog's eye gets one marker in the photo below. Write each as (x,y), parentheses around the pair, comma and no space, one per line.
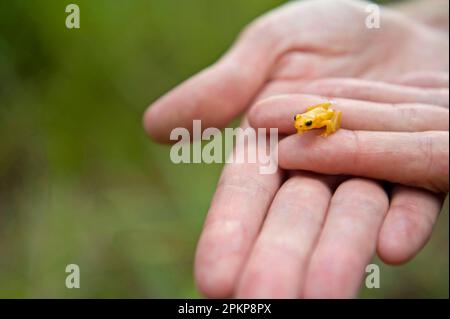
(308,123)
(295,117)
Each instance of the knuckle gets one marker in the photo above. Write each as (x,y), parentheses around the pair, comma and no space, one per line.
(305,183)
(244,183)
(366,193)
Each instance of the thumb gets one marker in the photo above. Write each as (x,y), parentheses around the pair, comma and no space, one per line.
(219,93)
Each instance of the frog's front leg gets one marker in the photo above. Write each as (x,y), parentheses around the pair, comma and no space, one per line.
(329,128)
(333,124)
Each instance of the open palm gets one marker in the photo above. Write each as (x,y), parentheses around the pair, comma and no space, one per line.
(293,233)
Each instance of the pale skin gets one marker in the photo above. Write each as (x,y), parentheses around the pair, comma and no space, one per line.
(309,234)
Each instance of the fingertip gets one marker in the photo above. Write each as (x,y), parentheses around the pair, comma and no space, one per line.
(257,116)
(391,248)
(400,240)
(214,282)
(152,126)
(218,259)
(165,114)
(408,224)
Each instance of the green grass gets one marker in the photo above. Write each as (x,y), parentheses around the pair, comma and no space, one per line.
(79,180)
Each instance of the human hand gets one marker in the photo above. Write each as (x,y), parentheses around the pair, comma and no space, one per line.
(289,45)
(301,41)
(408,143)
(317,234)
(409,220)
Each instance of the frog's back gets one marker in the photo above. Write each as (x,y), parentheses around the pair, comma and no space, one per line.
(321,112)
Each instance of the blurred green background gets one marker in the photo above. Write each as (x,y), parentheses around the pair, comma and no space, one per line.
(79,180)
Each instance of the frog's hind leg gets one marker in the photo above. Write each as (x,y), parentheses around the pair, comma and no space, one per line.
(325,105)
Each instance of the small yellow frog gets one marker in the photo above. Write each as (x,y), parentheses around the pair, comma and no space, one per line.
(317,116)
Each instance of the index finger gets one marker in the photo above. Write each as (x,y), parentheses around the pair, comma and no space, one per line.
(278,111)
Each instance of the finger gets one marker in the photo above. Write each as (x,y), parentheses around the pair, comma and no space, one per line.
(408,224)
(224,90)
(278,112)
(358,89)
(348,239)
(415,159)
(237,211)
(425,79)
(277,264)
